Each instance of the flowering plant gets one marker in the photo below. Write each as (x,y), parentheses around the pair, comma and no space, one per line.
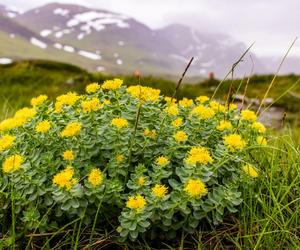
(128,153)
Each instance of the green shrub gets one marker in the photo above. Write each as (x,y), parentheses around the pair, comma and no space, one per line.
(127,155)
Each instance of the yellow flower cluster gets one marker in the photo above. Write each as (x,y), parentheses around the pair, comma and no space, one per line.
(224,125)
(12,163)
(234,142)
(180,136)
(141,181)
(170,100)
(137,202)
(119,123)
(43,127)
(159,190)
(177,122)
(90,105)
(261,140)
(65,178)
(120,158)
(144,94)
(19,119)
(162,161)
(258,127)
(202,99)
(68,99)
(112,84)
(198,155)
(203,112)
(95,177)
(150,133)
(172,109)
(195,188)
(37,101)
(71,129)
(6,141)
(250,170)
(217,107)
(92,88)
(68,155)
(248,115)
(185,102)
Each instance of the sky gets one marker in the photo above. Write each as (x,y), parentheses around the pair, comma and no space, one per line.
(271,24)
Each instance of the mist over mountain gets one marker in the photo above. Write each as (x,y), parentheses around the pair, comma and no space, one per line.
(105,41)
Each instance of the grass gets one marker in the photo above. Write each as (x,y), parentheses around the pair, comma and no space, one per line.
(267,219)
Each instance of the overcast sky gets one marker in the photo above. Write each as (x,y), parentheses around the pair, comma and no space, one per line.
(272,24)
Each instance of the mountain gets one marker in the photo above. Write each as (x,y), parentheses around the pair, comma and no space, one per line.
(100,40)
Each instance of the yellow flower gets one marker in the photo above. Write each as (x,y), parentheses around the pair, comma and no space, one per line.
(169,100)
(43,127)
(198,155)
(195,188)
(162,161)
(120,158)
(202,99)
(112,84)
(150,133)
(36,101)
(68,155)
(258,127)
(250,170)
(248,115)
(90,105)
(119,122)
(68,99)
(159,190)
(19,119)
(141,181)
(186,102)
(177,122)
(25,113)
(217,107)
(172,109)
(64,179)
(232,106)
(92,88)
(12,163)
(180,136)
(234,142)
(137,202)
(71,129)
(106,102)
(224,125)
(6,141)
(143,94)
(261,140)
(95,177)
(203,112)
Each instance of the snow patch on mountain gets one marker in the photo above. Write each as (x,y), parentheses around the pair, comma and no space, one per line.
(89,55)
(45,33)
(60,11)
(68,48)
(38,43)
(5,60)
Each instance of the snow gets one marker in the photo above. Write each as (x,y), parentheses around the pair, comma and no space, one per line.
(5,60)
(60,33)
(89,55)
(60,11)
(93,20)
(119,62)
(38,43)
(100,68)
(45,33)
(80,36)
(121,43)
(11,14)
(12,35)
(58,46)
(69,48)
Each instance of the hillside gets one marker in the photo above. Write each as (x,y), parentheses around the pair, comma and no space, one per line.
(116,43)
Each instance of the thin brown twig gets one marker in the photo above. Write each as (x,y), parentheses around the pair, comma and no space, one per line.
(247,83)
(232,69)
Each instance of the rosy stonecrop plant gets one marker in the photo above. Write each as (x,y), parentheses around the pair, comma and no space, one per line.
(130,154)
